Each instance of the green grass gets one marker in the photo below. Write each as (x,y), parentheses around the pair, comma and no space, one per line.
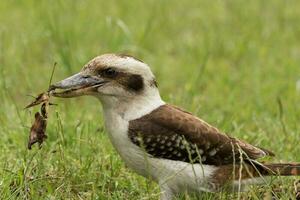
(226,61)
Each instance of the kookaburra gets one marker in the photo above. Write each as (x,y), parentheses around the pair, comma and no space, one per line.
(178,150)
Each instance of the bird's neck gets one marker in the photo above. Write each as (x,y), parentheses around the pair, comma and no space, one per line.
(132,108)
(118,112)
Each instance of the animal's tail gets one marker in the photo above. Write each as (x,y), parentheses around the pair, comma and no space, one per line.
(254,169)
(254,173)
(281,169)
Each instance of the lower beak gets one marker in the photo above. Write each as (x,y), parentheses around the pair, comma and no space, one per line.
(76,85)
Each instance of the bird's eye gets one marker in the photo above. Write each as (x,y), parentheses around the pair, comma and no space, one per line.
(109,73)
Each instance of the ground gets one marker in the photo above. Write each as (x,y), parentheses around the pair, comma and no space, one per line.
(233,63)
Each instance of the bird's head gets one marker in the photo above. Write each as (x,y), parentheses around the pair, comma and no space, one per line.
(109,77)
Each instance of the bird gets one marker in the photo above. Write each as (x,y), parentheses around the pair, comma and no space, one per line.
(163,142)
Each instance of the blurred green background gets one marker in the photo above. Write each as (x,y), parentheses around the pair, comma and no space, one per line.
(233,63)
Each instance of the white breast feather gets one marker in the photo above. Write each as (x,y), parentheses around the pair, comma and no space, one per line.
(176,175)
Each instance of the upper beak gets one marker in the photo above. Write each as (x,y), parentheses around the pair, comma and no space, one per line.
(76,85)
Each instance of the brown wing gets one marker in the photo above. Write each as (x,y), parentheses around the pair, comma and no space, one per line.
(171,133)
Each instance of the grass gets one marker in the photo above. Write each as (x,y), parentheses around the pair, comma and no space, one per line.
(229,62)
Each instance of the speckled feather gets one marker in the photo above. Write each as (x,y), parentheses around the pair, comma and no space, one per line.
(171,133)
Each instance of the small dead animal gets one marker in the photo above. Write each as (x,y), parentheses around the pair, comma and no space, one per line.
(37,131)
(41,98)
(38,128)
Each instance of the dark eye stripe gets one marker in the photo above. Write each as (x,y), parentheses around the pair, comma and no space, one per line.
(132,82)
(135,82)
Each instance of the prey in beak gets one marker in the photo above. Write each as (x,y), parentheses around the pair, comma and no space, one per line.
(76,85)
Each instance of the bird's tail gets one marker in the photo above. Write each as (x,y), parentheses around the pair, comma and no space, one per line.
(281,169)
(254,169)
(252,172)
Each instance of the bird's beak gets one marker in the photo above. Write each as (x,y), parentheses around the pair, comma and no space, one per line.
(76,85)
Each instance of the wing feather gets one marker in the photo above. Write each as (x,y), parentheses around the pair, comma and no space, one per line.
(171,133)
